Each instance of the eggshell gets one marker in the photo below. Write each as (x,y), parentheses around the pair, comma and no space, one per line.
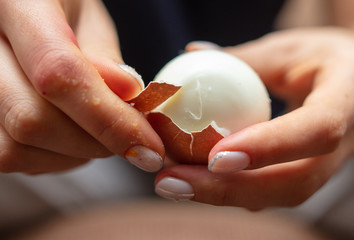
(179,144)
(200,97)
(182,146)
(217,88)
(153,95)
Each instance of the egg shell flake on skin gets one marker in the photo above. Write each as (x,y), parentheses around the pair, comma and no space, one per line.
(218,89)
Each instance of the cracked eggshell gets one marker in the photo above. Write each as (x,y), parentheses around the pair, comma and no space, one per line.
(217,89)
(207,95)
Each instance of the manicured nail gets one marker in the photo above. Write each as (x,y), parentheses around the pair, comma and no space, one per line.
(205,45)
(228,162)
(144,158)
(173,188)
(132,72)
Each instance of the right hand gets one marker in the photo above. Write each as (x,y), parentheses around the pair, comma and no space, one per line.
(56,111)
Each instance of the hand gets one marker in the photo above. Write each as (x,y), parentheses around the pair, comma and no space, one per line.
(56,111)
(289,158)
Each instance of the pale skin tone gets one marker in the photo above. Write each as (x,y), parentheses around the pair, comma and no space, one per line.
(57,112)
(313,72)
(295,154)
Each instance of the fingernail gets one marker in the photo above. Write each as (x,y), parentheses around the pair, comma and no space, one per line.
(144,158)
(228,162)
(132,72)
(173,188)
(205,45)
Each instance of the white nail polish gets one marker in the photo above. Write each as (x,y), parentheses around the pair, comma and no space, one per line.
(173,188)
(206,45)
(132,72)
(144,158)
(228,162)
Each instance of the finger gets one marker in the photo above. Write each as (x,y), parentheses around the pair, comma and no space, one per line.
(201,45)
(287,79)
(61,74)
(314,129)
(227,155)
(283,64)
(31,120)
(97,37)
(16,157)
(287,184)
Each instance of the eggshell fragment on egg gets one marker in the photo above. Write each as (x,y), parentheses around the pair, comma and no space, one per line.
(217,88)
(200,97)
(187,147)
(153,95)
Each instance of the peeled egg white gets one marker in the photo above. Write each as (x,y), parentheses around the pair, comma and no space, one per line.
(218,89)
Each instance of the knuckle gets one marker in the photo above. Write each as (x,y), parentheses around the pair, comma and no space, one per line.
(106,130)
(333,133)
(57,71)
(130,132)
(23,123)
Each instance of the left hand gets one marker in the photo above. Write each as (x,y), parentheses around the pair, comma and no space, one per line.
(289,158)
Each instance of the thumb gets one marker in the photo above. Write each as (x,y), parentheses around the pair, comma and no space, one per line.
(202,45)
(98,40)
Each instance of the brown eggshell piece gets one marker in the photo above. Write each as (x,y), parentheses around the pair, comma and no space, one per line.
(153,95)
(181,146)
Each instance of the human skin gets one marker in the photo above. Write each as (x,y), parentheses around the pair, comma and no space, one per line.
(57,112)
(62,91)
(310,68)
(290,157)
